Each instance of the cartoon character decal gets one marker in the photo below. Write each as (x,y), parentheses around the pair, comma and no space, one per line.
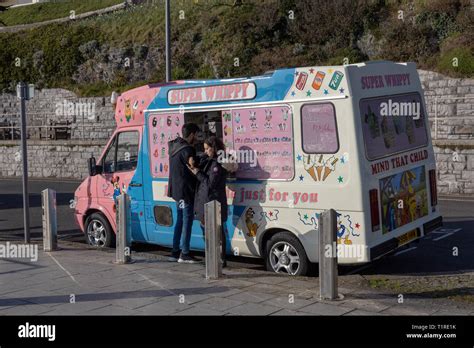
(227,116)
(117,191)
(128,110)
(345,229)
(251,226)
(310,220)
(227,130)
(271,215)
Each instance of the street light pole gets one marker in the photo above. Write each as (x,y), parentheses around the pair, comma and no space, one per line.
(22,95)
(168,34)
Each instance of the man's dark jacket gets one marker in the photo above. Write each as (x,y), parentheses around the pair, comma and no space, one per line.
(181,183)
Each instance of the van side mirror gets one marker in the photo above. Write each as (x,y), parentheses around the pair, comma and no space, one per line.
(91,165)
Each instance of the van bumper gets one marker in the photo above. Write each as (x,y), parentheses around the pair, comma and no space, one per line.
(392,244)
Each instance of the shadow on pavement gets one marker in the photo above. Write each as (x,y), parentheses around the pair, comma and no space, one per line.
(108,296)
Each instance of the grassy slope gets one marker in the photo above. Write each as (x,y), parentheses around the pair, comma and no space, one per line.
(45,11)
(259,33)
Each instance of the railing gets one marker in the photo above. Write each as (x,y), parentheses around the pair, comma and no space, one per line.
(53,132)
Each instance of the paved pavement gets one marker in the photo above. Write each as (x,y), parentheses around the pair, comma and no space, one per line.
(430,278)
(79,280)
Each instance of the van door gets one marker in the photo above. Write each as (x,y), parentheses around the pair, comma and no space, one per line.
(120,174)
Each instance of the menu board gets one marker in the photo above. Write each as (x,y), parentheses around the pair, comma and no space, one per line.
(163,128)
(261,140)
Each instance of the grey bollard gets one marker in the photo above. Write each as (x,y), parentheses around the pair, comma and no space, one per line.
(328,255)
(122,238)
(212,220)
(50,227)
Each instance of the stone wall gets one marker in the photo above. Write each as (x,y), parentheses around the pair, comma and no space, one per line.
(449,101)
(64,159)
(54,105)
(450,104)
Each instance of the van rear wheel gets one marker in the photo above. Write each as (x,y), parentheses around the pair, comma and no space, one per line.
(99,233)
(285,254)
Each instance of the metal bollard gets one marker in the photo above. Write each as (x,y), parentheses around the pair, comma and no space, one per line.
(212,219)
(50,228)
(328,255)
(122,238)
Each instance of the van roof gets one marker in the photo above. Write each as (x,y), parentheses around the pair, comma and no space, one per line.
(289,84)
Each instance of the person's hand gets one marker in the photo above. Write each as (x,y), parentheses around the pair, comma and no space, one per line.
(194,170)
(191,162)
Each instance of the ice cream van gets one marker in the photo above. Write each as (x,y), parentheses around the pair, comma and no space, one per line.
(354,138)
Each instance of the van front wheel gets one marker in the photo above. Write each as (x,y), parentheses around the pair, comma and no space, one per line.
(98,231)
(285,254)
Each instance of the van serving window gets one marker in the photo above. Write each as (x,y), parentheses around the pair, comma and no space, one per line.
(319,129)
(392,124)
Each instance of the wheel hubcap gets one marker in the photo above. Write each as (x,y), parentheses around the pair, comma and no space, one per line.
(96,233)
(284,258)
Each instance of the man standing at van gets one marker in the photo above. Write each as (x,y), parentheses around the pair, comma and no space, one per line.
(182,187)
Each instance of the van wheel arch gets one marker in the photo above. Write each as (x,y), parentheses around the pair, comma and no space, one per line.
(269,233)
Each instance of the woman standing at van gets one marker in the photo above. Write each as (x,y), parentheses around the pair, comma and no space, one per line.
(211,176)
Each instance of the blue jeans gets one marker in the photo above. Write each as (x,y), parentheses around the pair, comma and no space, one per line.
(183,227)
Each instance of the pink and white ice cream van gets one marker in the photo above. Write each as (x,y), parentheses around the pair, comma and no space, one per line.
(354,138)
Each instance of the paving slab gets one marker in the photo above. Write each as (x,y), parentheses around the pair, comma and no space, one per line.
(253,309)
(219,303)
(26,310)
(325,309)
(289,312)
(253,297)
(197,310)
(360,312)
(287,302)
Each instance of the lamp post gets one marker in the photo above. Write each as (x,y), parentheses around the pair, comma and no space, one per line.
(24,93)
(168,34)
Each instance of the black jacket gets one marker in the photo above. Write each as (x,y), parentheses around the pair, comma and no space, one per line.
(181,182)
(211,186)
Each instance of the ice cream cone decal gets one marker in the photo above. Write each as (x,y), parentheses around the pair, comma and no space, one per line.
(330,167)
(309,167)
(319,166)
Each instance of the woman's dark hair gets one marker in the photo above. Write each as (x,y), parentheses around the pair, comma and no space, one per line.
(215,143)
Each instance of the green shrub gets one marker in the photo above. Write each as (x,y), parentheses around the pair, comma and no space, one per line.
(465,61)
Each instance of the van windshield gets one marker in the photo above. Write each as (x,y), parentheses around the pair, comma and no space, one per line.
(392,124)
